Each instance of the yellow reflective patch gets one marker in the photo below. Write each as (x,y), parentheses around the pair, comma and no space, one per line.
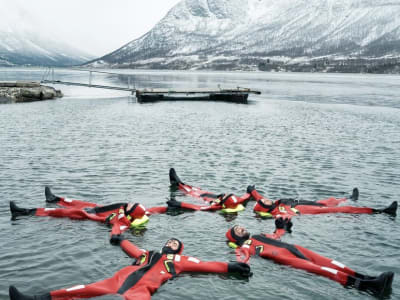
(239,207)
(294,210)
(259,249)
(232,245)
(167,266)
(143,259)
(248,242)
(139,222)
(170,256)
(264,214)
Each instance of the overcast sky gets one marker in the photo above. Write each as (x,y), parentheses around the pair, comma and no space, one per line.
(97,26)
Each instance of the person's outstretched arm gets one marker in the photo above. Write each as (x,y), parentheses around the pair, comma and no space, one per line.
(282,225)
(119,222)
(244,198)
(129,248)
(184,205)
(192,264)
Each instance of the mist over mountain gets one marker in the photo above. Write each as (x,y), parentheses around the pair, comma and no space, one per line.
(25,41)
(256,34)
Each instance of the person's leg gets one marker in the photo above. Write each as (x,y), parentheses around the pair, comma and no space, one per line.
(108,286)
(17,211)
(331,202)
(66,202)
(104,287)
(375,285)
(324,261)
(137,293)
(313,210)
(311,267)
(72,213)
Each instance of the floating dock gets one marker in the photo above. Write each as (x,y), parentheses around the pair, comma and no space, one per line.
(238,95)
(235,95)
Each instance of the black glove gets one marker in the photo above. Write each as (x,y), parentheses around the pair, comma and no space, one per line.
(279,223)
(239,267)
(288,225)
(116,239)
(109,218)
(251,188)
(174,203)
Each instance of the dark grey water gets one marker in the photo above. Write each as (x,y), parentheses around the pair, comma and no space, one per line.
(307,135)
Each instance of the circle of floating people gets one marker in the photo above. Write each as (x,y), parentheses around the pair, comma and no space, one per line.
(153,268)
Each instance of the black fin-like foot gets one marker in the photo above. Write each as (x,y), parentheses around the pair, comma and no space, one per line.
(391,209)
(50,197)
(17,295)
(383,283)
(374,285)
(19,211)
(355,194)
(173,178)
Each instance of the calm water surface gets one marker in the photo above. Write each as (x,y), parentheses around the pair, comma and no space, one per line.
(308,135)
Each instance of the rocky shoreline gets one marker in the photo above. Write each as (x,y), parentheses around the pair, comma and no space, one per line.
(26,91)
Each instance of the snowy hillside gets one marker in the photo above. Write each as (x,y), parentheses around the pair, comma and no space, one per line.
(24,41)
(242,34)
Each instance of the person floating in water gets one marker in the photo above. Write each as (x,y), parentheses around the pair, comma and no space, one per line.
(127,215)
(144,277)
(227,203)
(270,247)
(290,207)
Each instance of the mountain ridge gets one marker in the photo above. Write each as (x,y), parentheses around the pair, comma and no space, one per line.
(24,41)
(242,34)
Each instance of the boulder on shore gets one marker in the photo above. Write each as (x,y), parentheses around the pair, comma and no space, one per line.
(26,91)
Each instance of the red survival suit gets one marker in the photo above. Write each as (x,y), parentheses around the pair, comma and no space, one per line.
(215,202)
(289,207)
(269,246)
(224,203)
(143,278)
(81,210)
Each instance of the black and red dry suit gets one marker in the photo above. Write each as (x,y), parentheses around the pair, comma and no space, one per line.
(145,276)
(214,201)
(270,246)
(114,213)
(290,207)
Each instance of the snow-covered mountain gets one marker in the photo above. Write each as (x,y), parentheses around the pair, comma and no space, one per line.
(24,41)
(244,33)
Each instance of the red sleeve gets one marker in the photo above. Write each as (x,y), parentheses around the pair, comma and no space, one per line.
(131,249)
(120,223)
(277,234)
(256,195)
(244,198)
(192,264)
(200,207)
(156,210)
(243,254)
